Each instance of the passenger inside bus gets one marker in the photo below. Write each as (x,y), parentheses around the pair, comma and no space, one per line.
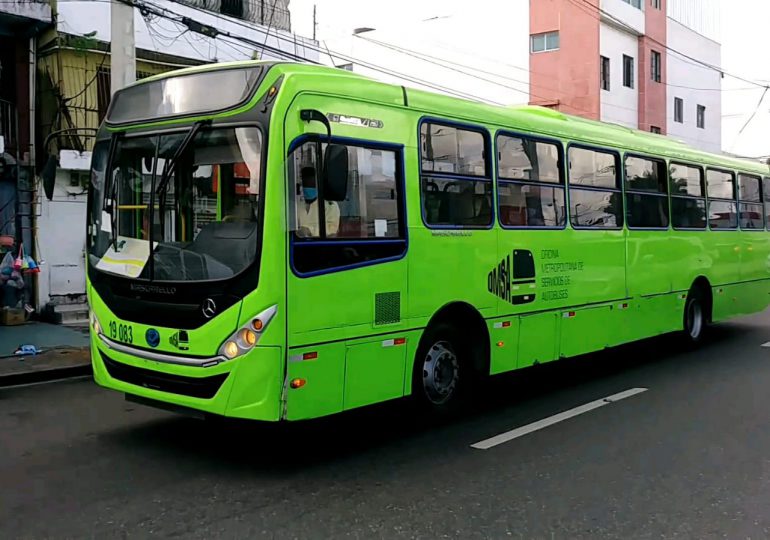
(308,220)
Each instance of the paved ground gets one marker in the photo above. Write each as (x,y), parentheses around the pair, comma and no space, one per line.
(689,458)
(42,335)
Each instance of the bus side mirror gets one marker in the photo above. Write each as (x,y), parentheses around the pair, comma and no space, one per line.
(48,174)
(335,172)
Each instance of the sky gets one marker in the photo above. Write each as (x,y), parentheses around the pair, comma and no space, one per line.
(467,35)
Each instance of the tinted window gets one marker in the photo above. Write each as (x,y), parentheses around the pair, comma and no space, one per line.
(721,185)
(686,180)
(450,150)
(592,168)
(722,215)
(766,188)
(525,159)
(687,213)
(748,188)
(645,175)
(647,211)
(465,203)
(531,205)
(601,209)
(751,216)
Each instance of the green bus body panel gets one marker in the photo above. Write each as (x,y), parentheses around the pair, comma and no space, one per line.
(571,291)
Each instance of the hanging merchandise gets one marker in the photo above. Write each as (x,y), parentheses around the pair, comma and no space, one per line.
(19,262)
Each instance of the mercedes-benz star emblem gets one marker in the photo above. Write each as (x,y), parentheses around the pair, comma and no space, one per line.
(209,308)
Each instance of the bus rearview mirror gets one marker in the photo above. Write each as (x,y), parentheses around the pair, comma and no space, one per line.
(335,172)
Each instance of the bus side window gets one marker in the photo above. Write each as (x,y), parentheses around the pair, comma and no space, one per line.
(688,197)
(456,181)
(646,193)
(720,186)
(594,189)
(750,212)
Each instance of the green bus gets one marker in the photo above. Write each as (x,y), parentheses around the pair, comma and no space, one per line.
(282,241)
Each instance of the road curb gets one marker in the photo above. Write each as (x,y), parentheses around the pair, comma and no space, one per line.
(44,375)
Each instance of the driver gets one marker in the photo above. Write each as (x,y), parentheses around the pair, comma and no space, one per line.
(308,219)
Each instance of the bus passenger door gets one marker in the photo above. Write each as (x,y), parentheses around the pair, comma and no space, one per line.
(347,268)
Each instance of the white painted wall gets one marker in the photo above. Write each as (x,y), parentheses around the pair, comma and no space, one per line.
(625,13)
(619,105)
(40,11)
(703,16)
(696,85)
(165,36)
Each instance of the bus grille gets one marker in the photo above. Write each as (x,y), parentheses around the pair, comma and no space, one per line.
(199,387)
(387,308)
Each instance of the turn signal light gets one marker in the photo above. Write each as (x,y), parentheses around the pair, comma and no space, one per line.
(297,383)
(257,324)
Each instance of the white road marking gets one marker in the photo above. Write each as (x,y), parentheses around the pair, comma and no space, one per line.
(766,345)
(486,444)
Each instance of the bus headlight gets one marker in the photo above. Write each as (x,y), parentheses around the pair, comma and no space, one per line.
(245,338)
(95,324)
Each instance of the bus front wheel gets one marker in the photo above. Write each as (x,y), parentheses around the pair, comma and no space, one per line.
(441,370)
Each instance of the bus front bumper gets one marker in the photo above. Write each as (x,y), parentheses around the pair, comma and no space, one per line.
(249,386)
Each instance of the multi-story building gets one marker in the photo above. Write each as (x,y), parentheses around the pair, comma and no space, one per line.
(647,64)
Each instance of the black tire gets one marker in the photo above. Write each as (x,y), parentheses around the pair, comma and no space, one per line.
(695,319)
(443,376)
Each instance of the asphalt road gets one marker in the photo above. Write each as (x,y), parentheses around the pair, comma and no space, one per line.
(688,458)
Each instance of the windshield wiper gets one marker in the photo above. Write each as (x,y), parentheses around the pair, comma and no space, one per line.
(169,168)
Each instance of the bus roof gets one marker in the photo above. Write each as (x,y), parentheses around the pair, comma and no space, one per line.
(527,118)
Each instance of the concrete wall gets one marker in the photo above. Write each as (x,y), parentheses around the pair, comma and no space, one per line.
(566,79)
(619,11)
(696,85)
(619,105)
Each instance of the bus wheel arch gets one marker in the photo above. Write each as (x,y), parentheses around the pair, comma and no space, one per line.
(456,343)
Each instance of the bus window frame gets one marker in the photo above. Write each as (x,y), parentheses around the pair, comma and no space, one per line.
(719,199)
(562,177)
(743,201)
(400,151)
(618,180)
(489,174)
(626,191)
(673,196)
(765,199)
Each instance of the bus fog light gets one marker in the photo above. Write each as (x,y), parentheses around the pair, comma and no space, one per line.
(231,349)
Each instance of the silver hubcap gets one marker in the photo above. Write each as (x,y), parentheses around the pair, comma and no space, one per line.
(694,319)
(440,372)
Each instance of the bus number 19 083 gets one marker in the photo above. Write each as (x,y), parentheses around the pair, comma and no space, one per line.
(121,332)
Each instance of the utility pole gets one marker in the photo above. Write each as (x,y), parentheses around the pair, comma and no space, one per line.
(123,46)
(315,24)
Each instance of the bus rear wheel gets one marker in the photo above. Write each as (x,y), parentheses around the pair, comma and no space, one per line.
(441,371)
(695,316)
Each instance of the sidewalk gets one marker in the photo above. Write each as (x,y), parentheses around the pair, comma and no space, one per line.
(65,353)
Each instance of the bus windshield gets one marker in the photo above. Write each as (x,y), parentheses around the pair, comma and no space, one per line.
(194,195)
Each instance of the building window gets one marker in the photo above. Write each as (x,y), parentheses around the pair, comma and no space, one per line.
(456,179)
(595,196)
(548,41)
(628,71)
(605,73)
(655,66)
(655,129)
(636,3)
(530,183)
(678,110)
(655,3)
(701,117)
